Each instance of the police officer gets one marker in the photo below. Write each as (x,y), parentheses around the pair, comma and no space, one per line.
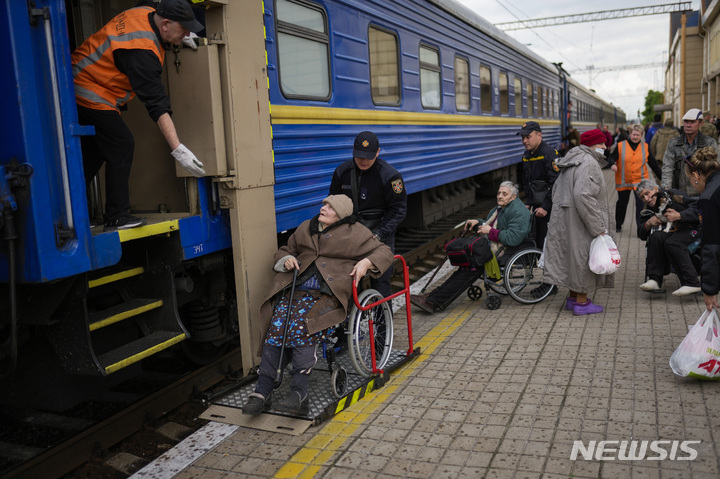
(378,194)
(539,175)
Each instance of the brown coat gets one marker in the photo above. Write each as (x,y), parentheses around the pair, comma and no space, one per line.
(335,253)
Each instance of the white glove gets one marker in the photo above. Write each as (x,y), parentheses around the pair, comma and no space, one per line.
(189,41)
(188,161)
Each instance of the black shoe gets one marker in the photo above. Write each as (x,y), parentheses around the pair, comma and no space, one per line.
(420,300)
(618,229)
(293,403)
(256,404)
(124,222)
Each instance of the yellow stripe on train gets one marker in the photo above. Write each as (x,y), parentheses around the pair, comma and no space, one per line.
(290,115)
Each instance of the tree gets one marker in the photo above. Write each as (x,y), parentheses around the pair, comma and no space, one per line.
(651,99)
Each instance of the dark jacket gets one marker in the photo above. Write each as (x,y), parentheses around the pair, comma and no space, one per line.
(683,204)
(334,252)
(382,197)
(672,167)
(540,173)
(709,211)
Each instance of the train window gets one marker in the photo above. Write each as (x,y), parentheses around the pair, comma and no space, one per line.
(303,50)
(518,97)
(530,101)
(504,94)
(384,67)
(485,90)
(462,84)
(540,102)
(430,94)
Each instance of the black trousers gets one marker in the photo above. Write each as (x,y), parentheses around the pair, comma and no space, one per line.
(665,250)
(621,207)
(382,284)
(453,287)
(112,145)
(303,361)
(541,227)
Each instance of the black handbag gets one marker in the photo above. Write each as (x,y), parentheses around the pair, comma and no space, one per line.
(538,191)
(469,252)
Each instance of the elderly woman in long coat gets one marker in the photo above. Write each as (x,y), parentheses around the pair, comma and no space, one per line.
(580,213)
(329,251)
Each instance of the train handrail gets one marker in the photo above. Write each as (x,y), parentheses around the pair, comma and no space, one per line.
(405,291)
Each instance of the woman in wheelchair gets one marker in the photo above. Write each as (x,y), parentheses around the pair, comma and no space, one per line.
(327,253)
(507,226)
(670,224)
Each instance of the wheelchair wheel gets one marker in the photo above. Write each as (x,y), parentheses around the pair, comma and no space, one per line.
(359,333)
(474,292)
(493,302)
(497,287)
(339,380)
(524,278)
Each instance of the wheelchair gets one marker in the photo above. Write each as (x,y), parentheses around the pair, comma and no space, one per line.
(367,335)
(521,278)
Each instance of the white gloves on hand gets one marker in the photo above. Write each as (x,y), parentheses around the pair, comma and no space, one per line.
(188,160)
(189,41)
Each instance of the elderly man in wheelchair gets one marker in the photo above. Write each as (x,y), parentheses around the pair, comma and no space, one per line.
(311,291)
(507,229)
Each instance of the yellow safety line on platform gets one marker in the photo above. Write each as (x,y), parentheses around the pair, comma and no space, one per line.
(94,283)
(318,450)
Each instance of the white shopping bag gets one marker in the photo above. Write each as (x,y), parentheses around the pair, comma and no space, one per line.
(604,255)
(698,356)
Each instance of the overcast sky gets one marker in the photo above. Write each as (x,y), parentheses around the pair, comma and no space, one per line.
(607,43)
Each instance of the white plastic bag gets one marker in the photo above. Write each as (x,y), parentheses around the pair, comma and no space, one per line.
(698,356)
(604,255)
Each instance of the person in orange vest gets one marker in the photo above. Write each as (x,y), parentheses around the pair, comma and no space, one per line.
(631,161)
(124,59)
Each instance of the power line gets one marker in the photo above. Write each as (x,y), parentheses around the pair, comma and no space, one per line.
(641,66)
(595,16)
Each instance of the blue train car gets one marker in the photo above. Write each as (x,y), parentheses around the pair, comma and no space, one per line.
(444,91)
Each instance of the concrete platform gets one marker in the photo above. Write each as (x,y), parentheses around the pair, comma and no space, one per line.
(508,393)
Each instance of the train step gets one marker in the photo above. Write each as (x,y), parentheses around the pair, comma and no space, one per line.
(139,349)
(130,314)
(122,311)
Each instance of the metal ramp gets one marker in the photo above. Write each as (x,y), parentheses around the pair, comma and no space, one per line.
(323,403)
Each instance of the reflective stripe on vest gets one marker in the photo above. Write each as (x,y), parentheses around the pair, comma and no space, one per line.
(627,178)
(98,83)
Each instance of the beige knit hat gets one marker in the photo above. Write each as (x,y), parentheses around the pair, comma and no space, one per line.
(342,205)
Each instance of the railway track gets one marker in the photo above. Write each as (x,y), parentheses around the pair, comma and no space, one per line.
(137,425)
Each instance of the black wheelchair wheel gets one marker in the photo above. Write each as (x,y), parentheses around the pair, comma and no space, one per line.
(474,292)
(524,277)
(339,380)
(493,302)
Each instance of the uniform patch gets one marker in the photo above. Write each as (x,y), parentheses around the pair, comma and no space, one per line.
(397,186)
(555,167)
